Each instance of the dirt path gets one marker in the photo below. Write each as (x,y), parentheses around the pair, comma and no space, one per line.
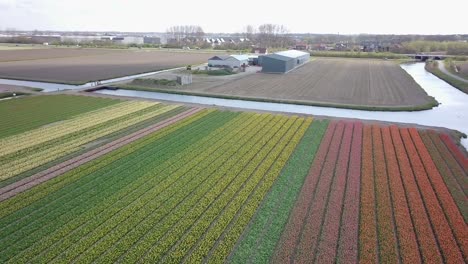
(444,70)
(59,169)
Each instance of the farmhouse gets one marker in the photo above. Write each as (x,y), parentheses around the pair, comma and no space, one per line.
(232,61)
(259,51)
(284,61)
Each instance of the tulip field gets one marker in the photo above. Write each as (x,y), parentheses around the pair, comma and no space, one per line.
(138,181)
(23,152)
(375,194)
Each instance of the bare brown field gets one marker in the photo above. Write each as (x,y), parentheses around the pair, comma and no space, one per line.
(50,53)
(353,82)
(82,66)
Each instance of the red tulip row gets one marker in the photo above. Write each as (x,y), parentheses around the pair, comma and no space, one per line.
(314,221)
(326,251)
(427,240)
(375,194)
(461,158)
(442,230)
(292,233)
(349,232)
(453,215)
(368,225)
(408,244)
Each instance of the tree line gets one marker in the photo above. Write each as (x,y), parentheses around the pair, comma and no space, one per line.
(265,35)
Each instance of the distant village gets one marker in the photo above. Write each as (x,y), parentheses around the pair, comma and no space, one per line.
(258,42)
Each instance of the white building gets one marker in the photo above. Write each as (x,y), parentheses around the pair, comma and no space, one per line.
(231,61)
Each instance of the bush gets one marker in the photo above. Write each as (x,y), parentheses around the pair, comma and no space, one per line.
(219,72)
(377,55)
(160,82)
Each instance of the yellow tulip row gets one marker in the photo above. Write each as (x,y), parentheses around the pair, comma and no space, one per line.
(37,158)
(54,131)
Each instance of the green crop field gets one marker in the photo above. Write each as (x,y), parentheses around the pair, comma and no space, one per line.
(28,113)
(137,181)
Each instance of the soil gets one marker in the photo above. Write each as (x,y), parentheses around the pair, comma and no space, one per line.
(84,65)
(363,82)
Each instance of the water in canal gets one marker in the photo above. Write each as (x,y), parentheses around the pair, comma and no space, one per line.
(452,113)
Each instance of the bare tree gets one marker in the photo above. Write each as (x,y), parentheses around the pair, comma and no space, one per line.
(186,33)
(249,32)
(272,35)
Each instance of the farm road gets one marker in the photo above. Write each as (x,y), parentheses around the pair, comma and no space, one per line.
(444,70)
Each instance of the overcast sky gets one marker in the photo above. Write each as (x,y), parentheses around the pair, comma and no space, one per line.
(300,16)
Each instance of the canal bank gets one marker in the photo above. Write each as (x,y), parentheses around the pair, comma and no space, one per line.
(452,112)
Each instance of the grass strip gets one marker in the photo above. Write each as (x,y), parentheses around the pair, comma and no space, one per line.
(433,68)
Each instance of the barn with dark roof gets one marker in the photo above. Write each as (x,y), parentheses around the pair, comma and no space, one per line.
(284,61)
